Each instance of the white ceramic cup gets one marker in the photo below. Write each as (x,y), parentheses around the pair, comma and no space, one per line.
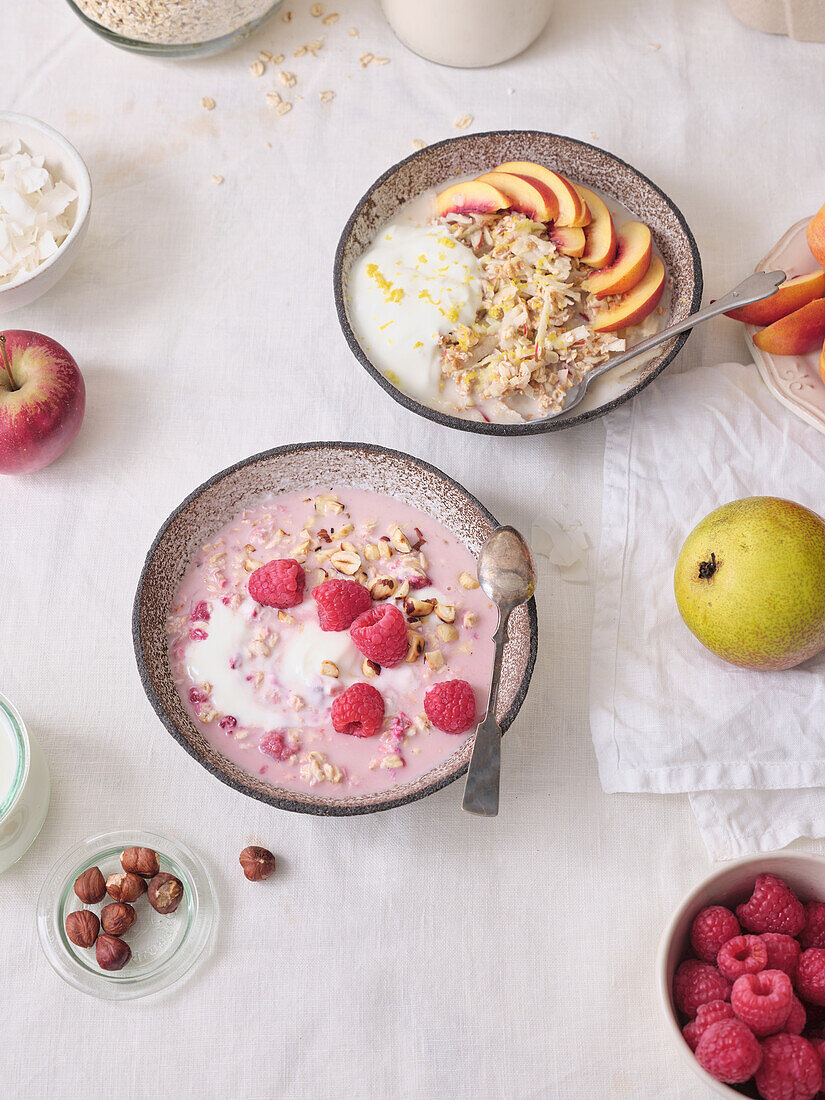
(729,885)
(467,33)
(25,801)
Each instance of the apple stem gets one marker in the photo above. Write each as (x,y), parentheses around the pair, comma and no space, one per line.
(707,568)
(6,363)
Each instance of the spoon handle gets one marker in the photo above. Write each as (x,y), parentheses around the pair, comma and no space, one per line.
(483,775)
(761,285)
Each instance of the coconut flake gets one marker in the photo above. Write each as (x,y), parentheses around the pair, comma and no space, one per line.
(33,212)
(566,546)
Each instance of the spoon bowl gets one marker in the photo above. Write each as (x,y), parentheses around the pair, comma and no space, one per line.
(505,568)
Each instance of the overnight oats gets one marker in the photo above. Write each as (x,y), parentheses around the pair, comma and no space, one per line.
(493,298)
(337,641)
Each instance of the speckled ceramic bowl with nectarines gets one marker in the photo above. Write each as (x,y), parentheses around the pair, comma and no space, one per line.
(457,158)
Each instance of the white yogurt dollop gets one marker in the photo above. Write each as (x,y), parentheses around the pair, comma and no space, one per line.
(414,284)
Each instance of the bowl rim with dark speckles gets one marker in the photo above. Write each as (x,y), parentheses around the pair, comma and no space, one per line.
(297,801)
(525,138)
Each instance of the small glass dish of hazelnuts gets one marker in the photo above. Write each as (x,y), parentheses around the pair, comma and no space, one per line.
(126,914)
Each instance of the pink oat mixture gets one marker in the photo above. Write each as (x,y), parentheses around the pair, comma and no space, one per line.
(262,681)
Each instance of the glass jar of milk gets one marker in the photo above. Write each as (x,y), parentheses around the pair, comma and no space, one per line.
(467,33)
(24,787)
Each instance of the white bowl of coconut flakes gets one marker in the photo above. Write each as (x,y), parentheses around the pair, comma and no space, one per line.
(45,197)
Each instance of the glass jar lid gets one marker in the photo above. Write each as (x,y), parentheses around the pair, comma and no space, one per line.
(14,755)
(164,947)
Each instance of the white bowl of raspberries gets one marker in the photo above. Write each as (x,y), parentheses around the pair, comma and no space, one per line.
(741,974)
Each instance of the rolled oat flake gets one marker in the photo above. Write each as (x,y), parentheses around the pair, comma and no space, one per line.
(174,27)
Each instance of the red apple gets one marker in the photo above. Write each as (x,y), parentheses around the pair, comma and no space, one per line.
(42,399)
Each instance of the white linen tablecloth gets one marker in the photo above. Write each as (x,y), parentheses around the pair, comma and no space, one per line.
(421,954)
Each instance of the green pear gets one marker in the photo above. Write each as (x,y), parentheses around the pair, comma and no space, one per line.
(750,583)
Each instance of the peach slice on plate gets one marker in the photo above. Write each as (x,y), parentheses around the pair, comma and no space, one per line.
(600,234)
(471,197)
(797,333)
(528,196)
(791,295)
(568,239)
(816,236)
(634,247)
(633,307)
(572,208)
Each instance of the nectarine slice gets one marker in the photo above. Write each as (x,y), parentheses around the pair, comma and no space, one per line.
(568,239)
(816,236)
(791,295)
(633,307)
(471,197)
(634,246)
(796,334)
(600,234)
(572,208)
(528,196)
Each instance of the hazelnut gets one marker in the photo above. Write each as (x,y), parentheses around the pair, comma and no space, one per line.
(117,918)
(257,863)
(140,861)
(165,893)
(112,953)
(125,886)
(90,887)
(82,927)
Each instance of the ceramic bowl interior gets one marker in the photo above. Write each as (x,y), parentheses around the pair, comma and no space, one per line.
(310,467)
(473,154)
(729,886)
(65,163)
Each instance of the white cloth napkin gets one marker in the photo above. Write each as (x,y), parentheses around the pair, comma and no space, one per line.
(665,714)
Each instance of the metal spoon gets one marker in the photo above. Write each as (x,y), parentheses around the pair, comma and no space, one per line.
(507,575)
(756,287)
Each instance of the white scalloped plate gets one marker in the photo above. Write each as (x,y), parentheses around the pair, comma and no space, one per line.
(792,379)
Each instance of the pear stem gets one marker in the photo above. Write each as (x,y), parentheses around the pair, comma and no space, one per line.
(6,364)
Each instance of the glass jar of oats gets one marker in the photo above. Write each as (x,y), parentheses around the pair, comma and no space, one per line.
(174,28)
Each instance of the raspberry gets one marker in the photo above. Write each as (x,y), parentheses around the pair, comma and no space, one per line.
(710,1013)
(228,723)
(797,1018)
(276,745)
(783,952)
(742,955)
(773,907)
(381,635)
(359,711)
(198,635)
(729,1051)
(279,583)
(451,706)
(695,983)
(200,612)
(711,928)
(810,975)
(197,695)
(813,934)
(340,603)
(790,1069)
(762,1001)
